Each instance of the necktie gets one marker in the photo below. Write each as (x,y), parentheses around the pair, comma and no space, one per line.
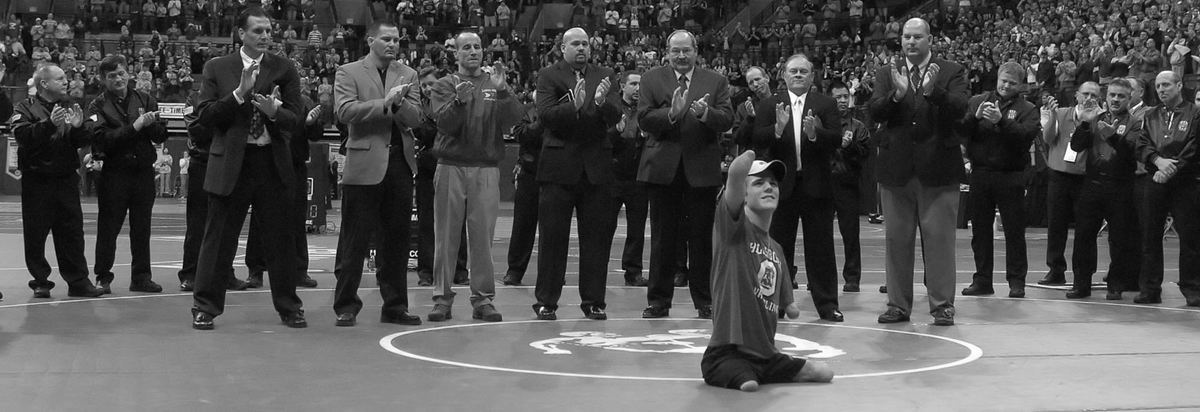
(256,124)
(683,81)
(798,124)
(915,78)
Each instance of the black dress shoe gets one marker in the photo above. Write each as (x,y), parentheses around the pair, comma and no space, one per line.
(545,313)
(1053,279)
(875,218)
(147,286)
(850,287)
(833,316)
(345,319)
(1146,298)
(424,282)
(294,320)
(187,285)
(254,282)
(704,312)
(404,318)
(307,282)
(1016,291)
(104,288)
(462,281)
(84,291)
(202,321)
(653,312)
(893,315)
(882,288)
(41,292)
(1113,295)
(595,313)
(635,280)
(681,280)
(510,280)
(978,289)
(1079,293)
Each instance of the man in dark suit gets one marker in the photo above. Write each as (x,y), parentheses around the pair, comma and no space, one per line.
(576,107)
(802,129)
(847,164)
(378,98)
(684,109)
(125,131)
(196,214)
(919,99)
(249,165)
(628,140)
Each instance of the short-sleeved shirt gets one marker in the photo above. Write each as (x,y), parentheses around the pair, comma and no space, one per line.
(749,285)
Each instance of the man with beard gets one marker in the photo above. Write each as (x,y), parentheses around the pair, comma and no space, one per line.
(472,109)
(379,101)
(792,125)
(627,141)
(1167,146)
(1107,193)
(999,127)
(50,129)
(125,131)
(684,109)
(848,159)
(576,107)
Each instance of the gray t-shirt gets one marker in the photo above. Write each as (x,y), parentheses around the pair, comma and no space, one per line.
(749,285)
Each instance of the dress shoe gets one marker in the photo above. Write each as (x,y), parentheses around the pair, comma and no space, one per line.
(187,285)
(943,317)
(635,279)
(704,312)
(1113,295)
(1079,293)
(893,315)
(254,281)
(238,284)
(978,289)
(148,286)
(875,218)
(653,312)
(83,291)
(201,320)
(403,318)
(681,280)
(595,313)
(345,319)
(424,282)
(307,282)
(294,320)
(41,292)
(510,280)
(462,280)
(1016,291)
(850,287)
(440,313)
(486,313)
(545,313)
(882,288)
(833,316)
(1053,279)
(104,288)
(1145,298)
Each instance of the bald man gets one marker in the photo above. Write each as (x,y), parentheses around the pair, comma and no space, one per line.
(1167,147)
(920,100)
(1066,175)
(576,103)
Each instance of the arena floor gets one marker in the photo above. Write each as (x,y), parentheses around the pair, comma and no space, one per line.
(134,351)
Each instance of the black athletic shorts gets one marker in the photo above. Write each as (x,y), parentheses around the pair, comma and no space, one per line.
(727,367)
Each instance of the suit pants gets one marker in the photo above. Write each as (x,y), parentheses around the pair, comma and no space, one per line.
(525,225)
(820,262)
(847,203)
(1004,191)
(632,195)
(50,205)
(1105,199)
(425,233)
(119,192)
(592,204)
(470,195)
(384,209)
(669,204)
(932,209)
(1062,194)
(1181,197)
(195,217)
(256,261)
(260,186)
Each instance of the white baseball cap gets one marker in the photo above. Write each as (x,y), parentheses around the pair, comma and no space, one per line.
(775,167)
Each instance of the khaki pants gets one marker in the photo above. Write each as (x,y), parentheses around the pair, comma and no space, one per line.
(471,194)
(934,211)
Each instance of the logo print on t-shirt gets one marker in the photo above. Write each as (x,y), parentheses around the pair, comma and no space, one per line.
(766,278)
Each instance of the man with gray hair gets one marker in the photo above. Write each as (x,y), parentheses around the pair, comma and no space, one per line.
(50,129)
(998,129)
(1066,175)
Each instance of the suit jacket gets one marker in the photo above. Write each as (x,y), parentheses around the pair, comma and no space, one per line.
(230,121)
(918,137)
(691,141)
(575,145)
(358,96)
(114,139)
(815,156)
(305,132)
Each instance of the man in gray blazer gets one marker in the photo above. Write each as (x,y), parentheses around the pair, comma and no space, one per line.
(377,98)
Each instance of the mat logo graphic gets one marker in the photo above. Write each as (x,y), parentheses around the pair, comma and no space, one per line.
(689,341)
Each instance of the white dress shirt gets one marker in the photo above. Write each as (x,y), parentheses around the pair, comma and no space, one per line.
(265,138)
(798,122)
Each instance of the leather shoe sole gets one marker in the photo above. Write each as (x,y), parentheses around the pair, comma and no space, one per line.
(345,319)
